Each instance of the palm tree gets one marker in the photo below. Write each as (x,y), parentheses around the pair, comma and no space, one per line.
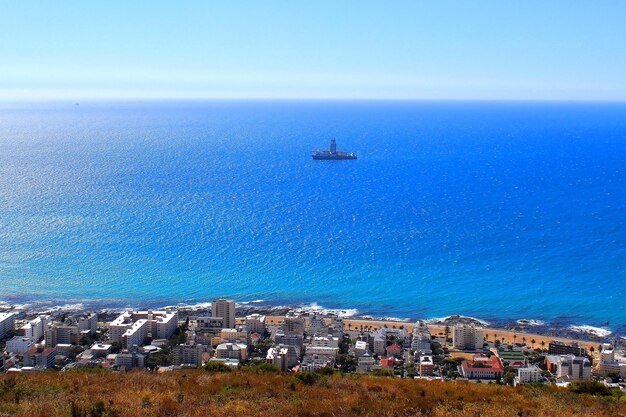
(543,344)
(524,340)
(514,338)
(533,342)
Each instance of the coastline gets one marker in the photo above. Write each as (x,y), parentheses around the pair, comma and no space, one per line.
(508,330)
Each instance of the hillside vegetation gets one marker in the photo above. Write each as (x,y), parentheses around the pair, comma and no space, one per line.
(261,393)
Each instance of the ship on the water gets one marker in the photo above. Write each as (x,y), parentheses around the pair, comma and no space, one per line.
(332,153)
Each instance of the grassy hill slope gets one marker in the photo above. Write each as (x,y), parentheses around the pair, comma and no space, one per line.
(200,393)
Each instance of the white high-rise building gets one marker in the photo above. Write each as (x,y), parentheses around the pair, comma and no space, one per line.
(35,329)
(226,310)
(7,323)
(467,336)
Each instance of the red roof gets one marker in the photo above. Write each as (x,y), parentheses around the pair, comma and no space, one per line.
(387,362)
(394,348)
(491,364)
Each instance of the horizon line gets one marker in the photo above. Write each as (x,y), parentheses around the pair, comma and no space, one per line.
(77,100)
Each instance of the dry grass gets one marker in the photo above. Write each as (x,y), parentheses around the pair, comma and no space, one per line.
(198,393)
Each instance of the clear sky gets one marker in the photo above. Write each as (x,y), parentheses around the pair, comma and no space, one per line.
(435,49)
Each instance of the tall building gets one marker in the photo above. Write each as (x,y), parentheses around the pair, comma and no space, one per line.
(7,323)
(35,328)
(226,310)
(467,336)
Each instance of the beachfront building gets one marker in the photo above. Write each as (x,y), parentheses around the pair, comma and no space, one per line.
(527,375)
(134,327)
(35,329)
(481,367)
(560,348)
(226,310)
(189,355)
(467,337)
(255,323)
(283,356)
(7,323)
(19,344)
(421,337)
(237,351)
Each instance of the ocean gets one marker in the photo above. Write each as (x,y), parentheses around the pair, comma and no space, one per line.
(494,210)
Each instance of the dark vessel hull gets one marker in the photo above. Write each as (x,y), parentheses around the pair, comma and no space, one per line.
(333,157)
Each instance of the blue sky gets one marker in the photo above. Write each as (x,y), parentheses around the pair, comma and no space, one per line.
(529,50)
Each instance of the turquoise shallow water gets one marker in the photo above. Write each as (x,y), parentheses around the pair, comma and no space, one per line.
(505,210)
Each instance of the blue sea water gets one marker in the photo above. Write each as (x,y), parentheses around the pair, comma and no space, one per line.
(493,210)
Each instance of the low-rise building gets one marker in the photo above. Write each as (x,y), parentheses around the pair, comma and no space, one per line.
(158,325)
(19,344)
(327,341)
(283,356)
(237,351)
(569,367)
(482,367)
(130,359)
(560,348)
(190,355)
(527,375)
(296,340)
(313,363)
(39,357)
(426,365)
(255,323)
(365,363)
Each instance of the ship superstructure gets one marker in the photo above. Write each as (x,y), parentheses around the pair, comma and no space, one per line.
(332,153)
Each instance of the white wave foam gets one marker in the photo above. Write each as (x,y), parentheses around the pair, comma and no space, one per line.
(595,331)
(316,308)
(395,319)
(530,322)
